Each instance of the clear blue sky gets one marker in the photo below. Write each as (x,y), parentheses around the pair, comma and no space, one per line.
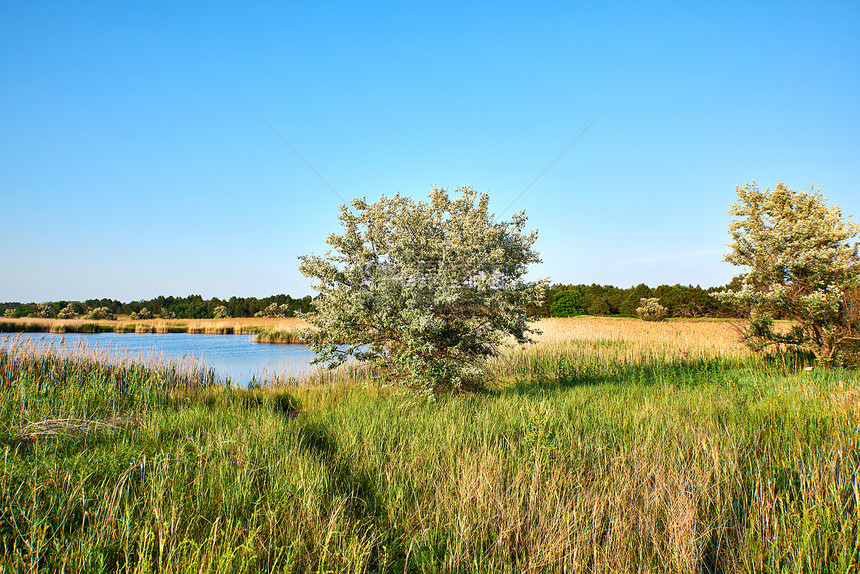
(133,164)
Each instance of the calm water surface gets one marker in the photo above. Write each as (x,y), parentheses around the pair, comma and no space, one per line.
(235,357)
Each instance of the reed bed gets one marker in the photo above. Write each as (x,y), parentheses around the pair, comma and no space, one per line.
(298,335)
(672,339)
(268,330)
(576,350)
(704,462)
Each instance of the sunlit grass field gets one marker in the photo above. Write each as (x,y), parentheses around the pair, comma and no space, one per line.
(612,445)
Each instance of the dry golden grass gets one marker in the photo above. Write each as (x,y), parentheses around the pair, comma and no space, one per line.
(678,337)
(581,346)
(237,325)
(671,339)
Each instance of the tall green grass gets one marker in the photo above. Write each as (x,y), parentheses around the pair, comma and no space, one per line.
(589,465)
(280,336)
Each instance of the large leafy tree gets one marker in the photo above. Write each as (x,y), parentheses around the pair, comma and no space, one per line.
(568,303)
(802,264)
(424,290)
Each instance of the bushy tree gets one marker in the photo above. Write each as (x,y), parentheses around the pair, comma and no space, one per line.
(220,312)
(43,311)
(141,315)
(568,303)
(599,307)
(801,259)
(70,311)
(101,313)
(650,309)
(424,290)
(274,311)
(631,303)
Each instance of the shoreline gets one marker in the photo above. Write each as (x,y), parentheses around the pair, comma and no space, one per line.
(267,330)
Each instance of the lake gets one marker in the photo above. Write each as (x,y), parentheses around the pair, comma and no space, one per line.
(234,357)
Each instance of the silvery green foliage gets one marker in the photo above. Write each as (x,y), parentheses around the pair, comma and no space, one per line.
(274,311)
(43,310)
(220,312)
(650,309)
(423,290)
(101,313)
(9,313)
(801,259)
(67,312)
(144,314)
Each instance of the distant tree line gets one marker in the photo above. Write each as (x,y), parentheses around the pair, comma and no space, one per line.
(560,301)
(190,307)
(679,300)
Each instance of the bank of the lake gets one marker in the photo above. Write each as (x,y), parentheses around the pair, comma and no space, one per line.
(267,330)
(235,359)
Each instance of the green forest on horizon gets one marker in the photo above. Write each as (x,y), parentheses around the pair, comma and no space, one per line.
(599,300)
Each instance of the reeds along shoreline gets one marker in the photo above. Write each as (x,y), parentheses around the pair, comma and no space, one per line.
(285,330)
(114,379)
(678,334)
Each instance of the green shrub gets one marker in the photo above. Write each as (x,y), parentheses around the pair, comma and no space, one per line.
(43,311)
(143,314)
(567,304)
(274,311)
(101,313)
(67,312)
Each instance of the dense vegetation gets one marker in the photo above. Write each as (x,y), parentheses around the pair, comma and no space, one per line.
(604,300)
(190,307)
(642,449)
(599,300)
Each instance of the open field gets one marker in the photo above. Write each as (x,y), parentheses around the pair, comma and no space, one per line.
(681,338)
(611,446)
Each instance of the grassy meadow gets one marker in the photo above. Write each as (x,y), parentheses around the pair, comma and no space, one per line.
(611,445)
